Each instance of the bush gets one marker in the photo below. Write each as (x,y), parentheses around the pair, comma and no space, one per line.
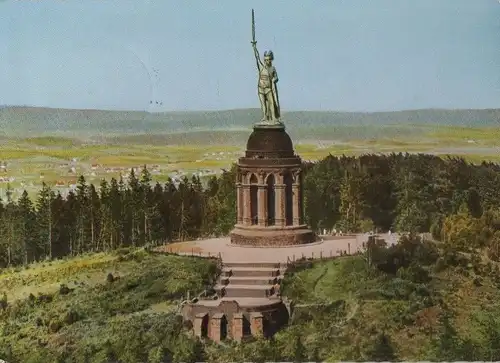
(3,302)
(414,273)
(64,290)
(44,298)
(110,278)
(71,317)
(55,326)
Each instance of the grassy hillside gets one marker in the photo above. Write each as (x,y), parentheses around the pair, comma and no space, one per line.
(37,121)
(98,307)
(433,304)
(442,305)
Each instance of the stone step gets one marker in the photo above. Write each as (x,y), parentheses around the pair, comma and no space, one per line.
(250,280)
(238,291)
(252,264)
(250,271)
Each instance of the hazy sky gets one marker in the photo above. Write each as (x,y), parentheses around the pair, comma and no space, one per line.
(350,55)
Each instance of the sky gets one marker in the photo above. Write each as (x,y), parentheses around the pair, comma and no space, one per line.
(342,55)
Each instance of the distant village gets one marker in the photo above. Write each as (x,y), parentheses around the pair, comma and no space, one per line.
(11,174)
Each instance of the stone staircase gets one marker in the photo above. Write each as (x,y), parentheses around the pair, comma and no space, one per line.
(249,280)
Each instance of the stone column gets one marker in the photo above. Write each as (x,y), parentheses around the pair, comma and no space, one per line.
(199,321)
(237,327)
(262,212)
(296,203)
(257,324)
(246,206)
(215,327)
(239,203)
(279,202)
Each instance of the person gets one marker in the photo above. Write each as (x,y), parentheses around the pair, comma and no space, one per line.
(267,88)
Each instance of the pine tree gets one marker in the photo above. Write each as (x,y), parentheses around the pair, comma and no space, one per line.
(350,201)
(146,204)
(159,214)
(10,230)
(27,225)
(115,203)
(83,215)
(45,219)
(72,221)
(61,224)
(94,209)
(105,213)
(381,350)
(133,203)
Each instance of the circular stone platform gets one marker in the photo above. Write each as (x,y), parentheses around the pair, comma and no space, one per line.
(330,246)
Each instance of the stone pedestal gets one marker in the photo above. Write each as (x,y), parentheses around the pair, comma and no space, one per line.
(269,176)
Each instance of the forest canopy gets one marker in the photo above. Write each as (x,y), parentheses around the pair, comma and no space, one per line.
(449,197)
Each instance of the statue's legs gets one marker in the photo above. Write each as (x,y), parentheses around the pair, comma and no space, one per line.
(271,107)
(262,99)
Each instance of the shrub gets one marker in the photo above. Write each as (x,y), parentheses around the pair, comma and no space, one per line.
(55,326)
(64,290)
(110,278)
(71,317)
(3,302)
(44,298)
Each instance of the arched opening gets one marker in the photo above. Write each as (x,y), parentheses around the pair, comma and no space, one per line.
(254,200)
(247,331)
(271,197)
(204,326)
(288,181)
(223,327)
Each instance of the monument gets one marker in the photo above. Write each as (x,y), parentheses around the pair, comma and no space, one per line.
(247,300)
(269,179)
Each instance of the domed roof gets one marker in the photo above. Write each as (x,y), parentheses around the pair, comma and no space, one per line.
(270,141)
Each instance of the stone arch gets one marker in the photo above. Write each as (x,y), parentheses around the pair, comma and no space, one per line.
(288,181)
(250,177)
(247,330)
(296,176)
(271,199)
(204,326)
(254,199)
(223,328)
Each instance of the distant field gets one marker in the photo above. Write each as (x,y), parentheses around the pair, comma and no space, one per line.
(33,160)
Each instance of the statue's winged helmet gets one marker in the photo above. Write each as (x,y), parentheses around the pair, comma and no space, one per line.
(269,53)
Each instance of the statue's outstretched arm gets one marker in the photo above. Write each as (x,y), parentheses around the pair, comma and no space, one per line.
(257,56)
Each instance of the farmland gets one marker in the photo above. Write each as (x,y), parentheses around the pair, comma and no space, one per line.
(174,145)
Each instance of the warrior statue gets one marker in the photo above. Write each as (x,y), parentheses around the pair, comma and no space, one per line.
(267,88)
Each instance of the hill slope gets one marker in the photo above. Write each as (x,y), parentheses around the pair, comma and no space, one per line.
(435,305)
(16,121)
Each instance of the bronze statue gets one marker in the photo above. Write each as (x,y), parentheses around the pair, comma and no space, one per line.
(267,88)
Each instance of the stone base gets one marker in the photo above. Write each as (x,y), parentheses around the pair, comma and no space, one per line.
(274,314)
(271,236)
(269,125)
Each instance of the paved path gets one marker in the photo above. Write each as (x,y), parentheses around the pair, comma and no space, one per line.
(331,246)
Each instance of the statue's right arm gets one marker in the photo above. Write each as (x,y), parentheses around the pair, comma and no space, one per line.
(257,57)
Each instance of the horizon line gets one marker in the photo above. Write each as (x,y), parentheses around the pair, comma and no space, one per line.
(247,109)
